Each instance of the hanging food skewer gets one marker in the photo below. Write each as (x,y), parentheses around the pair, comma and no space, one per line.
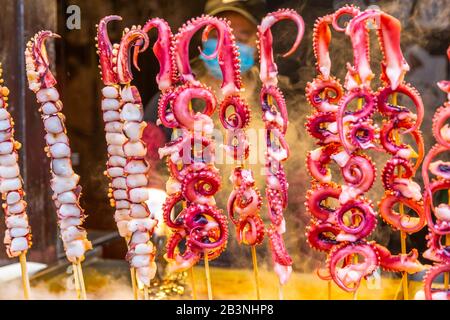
(64,182)
(275,119)
(18,232)
(438,216)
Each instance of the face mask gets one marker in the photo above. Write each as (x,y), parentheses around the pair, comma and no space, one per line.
(247,56)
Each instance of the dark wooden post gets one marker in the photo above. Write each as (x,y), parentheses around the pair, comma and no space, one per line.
(21,19)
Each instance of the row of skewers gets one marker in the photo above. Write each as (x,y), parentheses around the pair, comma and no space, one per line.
(342,218)
(199,228)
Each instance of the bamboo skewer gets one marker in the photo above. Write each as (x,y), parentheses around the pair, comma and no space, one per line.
(25,279)
(255,273)
(208,276)
(401,210)
(77,280)
(280,291)
(329,289)
(134,285)
(194,291)
(81,279)
(146,297)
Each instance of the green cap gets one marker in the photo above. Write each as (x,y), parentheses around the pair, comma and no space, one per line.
(253,10)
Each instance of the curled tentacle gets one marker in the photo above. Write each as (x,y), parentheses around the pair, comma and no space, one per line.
(349,10)
(106,52)
(359,174)
(131,38)
(402,150)
(324,94)
(401,112)
(179,261)
(368,108)
(437,251)
(317,162)
(250,230)
(442,212)
(186,117)
(404,222)
(441,130)
(322,126)
(363,135)
(200,186)
(39,74)
(276,115)
(361,211)
(322,236)
(268,69)
(241,116)
(180,46)
(389,174)
(432,274)
(349,276)
(316,201)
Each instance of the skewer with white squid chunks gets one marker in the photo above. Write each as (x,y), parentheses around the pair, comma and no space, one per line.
(18,232)
(141,251)
(64,182)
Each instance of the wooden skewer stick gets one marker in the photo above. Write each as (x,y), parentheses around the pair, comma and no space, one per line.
(25,279)
(133,276)
(208,276)
(193,288)
(256,273)
(329,289)
(81,279)
(146,292)
(401,210)
(133,283)
(76,280)
(280,291)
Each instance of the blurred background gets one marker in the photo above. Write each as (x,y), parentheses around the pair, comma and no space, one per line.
(425,38)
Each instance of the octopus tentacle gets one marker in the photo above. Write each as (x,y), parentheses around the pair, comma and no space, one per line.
(442,212)
(359,174)
(278,118)
(431,275)
(362,114)
(317,162)
(349,10)
(106,52)
(400,112)
(441,130)
(363,210)
(316,197)
(134,37)
(352,273)
(268,68)
(407,262)
(280,256)
(322,236)
(167,74)
(324,93)
(405,222)
(241,116)
(436,250)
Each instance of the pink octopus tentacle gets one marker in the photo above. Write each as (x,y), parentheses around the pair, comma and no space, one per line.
(106,51)
(132,38)
(167,74)
(268,67)
(441,130)
(185,117)
(429,278)
(181,41)
(408,262)
(404,222)
(400,112)
(352,274)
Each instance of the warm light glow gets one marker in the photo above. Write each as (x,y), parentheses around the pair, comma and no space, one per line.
(156,198)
